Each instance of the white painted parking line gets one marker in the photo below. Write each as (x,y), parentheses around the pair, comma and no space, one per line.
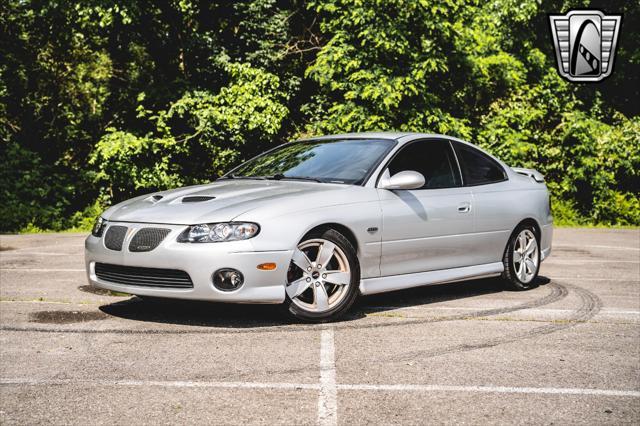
(43,269)
(492,389)
(313,386)
(160,383)
(328,400)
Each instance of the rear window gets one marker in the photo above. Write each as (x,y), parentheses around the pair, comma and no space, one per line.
(477,167)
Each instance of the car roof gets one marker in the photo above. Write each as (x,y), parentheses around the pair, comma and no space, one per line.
(401,137)
(359,135)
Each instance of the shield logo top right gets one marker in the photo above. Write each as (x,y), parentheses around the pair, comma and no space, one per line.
(585,42)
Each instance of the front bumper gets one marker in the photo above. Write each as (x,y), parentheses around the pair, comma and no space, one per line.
(200,261)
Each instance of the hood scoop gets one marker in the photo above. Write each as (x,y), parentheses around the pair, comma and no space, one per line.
(197,199)
(154,198)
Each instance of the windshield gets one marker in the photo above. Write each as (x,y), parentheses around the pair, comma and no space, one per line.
(337,161)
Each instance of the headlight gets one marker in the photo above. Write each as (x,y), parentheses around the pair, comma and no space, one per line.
(98,227)
(218,232)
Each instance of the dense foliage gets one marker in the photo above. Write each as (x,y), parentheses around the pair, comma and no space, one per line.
(101,100)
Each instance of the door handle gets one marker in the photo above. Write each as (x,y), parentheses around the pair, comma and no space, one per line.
(464,207)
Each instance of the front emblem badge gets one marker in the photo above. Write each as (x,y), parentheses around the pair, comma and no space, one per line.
(585,42)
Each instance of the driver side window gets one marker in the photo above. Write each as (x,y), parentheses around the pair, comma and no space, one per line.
(433,159)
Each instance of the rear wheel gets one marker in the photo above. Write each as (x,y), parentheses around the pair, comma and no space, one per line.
(323,277)
(522,259)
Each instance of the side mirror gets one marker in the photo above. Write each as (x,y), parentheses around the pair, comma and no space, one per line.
(407,179)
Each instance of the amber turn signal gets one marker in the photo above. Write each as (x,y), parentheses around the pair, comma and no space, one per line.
(267,266)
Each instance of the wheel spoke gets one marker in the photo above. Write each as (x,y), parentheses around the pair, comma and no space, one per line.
(300,259)
(517,256)
(531,267)
(522,238)
(338,277)
(531,247)
(326,253)
(297,287)
(321,297)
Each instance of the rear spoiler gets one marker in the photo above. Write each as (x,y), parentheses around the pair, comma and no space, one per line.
(534,174)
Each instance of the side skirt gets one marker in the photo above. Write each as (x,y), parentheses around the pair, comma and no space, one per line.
(399,282)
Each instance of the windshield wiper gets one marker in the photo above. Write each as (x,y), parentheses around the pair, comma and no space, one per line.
(280,176)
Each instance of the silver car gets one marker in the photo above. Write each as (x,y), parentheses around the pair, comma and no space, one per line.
(314,223)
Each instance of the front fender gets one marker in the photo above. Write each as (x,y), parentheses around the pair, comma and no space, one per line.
(286,231)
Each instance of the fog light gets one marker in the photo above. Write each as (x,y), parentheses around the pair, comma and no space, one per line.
(227,279)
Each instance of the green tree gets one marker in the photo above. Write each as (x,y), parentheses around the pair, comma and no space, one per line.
(196,139)
(102,100)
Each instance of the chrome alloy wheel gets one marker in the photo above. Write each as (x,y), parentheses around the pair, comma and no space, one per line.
(320,284)
(526,256)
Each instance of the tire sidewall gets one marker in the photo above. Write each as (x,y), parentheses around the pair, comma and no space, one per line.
(511,276)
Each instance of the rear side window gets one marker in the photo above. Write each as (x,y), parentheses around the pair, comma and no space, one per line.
(433,158)
(478,168)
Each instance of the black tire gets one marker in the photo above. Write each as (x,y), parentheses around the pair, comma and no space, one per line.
(510,274)
(352,291)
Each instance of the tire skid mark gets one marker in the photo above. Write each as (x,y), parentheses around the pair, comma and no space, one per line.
(590,305)
(558,292)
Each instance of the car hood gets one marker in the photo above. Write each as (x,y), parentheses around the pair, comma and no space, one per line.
(228,199)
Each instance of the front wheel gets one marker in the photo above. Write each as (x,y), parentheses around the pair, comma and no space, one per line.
(522,259)
(323,277)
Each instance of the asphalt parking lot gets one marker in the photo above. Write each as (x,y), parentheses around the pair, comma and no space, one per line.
(567,352)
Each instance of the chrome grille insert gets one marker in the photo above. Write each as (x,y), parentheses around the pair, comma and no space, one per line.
(143,277)
(114,237)
(147,239)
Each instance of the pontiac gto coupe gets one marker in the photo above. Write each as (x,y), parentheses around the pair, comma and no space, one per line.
(314,223)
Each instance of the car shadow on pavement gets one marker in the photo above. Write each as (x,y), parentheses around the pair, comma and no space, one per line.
(197,313)
(225,315)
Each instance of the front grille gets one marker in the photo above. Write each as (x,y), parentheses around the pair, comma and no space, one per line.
(143,277)
(147,239)
(114,237)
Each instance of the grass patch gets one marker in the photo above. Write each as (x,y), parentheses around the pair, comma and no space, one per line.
(35,230)
(570,224)
(101,291)
(53,301)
